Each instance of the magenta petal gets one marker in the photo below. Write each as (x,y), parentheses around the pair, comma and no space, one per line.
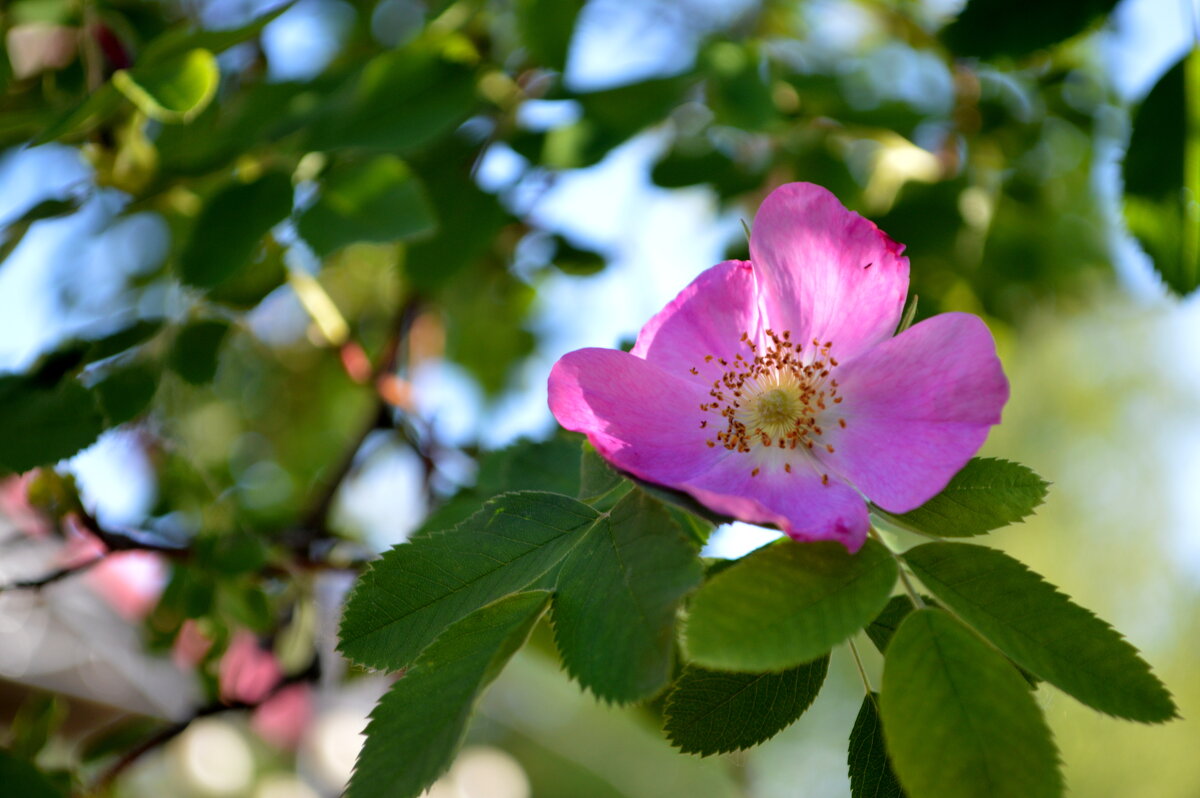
(799,502)
(640,418)
(917,408)
(707,318)
(826,272)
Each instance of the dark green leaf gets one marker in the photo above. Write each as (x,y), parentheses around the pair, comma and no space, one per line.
(407,598)
(194,356)
(39,717)
(871,773)
(125,338)
(1041,629)
(177,41)
(712,712)
(117,738)
(888,621)
(379,200)
(618,593)
(15,230)
(403,100)
(230,227)
(176,89)
(95,108)
(126,392)
(787,603)
(987,494)
(40,425)
(739,91)
(596,476)
(573,260)
(958,718)
(988,28)
(546,27)
(416,728)
(21,778)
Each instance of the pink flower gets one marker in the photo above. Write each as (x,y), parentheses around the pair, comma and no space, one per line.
(774,391)
(248,673)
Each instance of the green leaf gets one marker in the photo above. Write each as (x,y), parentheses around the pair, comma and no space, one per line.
(959,720)
(618,593)
(21,778)
(40,424)
(403,100)
(15,230)
(989,28)
(888,621)
(1042,630)
(40,716)
(89,112)
(416,728)
(123,339)
(1162,176)
(571,259)
(713,712)
(407,598)
(986,494)
(177,41)
(787,603)
(546,27)
(229,229)
(379,200)
(194,356)
(125,393)
(871,774)
(174,90)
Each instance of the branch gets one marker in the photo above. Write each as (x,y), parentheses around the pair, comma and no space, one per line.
(53,576)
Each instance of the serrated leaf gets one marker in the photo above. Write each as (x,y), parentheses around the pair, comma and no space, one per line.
(1042,630)
(174,90)
(888,621)
(418,726)
(418,589)
(958,718)
(379,200)
(618,593)
(871,774)
(713,712)
(986,494)
(787,603)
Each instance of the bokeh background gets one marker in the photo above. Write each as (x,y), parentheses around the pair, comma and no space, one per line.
(280,280)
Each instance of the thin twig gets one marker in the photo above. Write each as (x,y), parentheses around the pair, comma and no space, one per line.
(862,672)
(53,576)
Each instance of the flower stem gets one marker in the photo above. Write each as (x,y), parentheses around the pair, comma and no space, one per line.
(862,672)
(917,601)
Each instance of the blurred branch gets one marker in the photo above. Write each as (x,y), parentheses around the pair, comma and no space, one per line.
(53,576)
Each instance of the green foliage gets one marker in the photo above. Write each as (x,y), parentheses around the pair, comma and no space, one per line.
(546,27)
(713,712)
(378,200)
(958,718)
(174,90)
(1041,629)
(405,600)
(418,726)
(23,779)
(786,604)
(230,227)
(990,28)
(888,621)
(197,347)
(44,423)
(1162,176)
(986,494)
(126,392)
(618,592)
(871,774)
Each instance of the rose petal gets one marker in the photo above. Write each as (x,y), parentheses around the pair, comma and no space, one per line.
(826,272)
(707,319)
(642,419)
(798,502)
(917,408)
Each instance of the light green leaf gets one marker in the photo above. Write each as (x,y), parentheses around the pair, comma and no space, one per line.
(987,494)
(379,200)
(409,597)
(712,712)
(174,90)
(229,229)
(787,603)
(959,720)
(618,593)
(871,774)
(1042,630)
(416,728)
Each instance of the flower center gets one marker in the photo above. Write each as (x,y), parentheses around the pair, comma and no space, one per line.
(775,399)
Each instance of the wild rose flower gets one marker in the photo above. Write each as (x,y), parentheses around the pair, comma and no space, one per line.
(774,391)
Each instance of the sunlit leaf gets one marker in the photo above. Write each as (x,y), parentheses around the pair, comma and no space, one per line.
(787,603)
(986,494)
(959,719)
(871,774)
(406,599)
(712,712)
(1041,629)
(174,90)
(416,728)
(617,597)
